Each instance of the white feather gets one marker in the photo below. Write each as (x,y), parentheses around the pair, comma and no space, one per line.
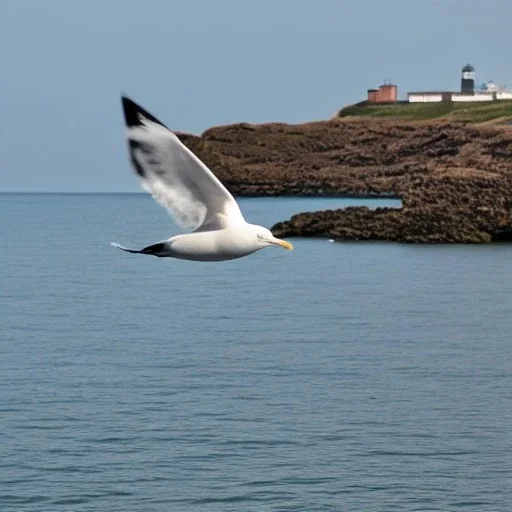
(179,181)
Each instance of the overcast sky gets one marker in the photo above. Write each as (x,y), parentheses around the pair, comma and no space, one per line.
(199,63)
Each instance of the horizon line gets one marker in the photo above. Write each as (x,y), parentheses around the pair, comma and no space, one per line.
(6,192)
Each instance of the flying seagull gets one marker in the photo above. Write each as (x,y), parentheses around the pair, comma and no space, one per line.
(196,199)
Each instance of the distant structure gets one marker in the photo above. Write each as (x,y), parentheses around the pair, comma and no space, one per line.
(386,93)
(498,92)
(487,92)
(467,81)
(429,96)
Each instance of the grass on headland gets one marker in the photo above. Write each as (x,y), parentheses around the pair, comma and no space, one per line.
(500,111)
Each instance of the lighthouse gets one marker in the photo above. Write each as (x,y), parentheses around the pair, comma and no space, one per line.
(467,82)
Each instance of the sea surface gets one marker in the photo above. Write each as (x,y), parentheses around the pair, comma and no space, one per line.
(337,377)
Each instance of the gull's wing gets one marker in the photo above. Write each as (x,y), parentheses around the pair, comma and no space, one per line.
(174,176)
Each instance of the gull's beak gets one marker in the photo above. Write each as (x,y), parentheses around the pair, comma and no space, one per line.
(283,243)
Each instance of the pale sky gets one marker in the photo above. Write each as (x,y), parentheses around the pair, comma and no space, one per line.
(201,63)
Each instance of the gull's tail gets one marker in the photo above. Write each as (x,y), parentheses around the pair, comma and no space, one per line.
(154,250)
(115,244)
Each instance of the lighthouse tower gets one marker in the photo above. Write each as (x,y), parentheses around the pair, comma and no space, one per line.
(467,82)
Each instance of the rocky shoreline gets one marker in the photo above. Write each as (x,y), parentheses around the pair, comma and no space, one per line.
(454,179)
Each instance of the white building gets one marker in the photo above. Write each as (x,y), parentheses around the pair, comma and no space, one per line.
(488,91)
(499,92)
(428,96)
(475,98)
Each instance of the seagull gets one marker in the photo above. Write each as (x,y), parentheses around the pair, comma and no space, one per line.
(192,194)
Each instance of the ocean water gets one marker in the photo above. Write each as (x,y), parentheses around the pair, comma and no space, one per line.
(338,377)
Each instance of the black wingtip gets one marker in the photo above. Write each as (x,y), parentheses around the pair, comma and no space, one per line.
(134,112)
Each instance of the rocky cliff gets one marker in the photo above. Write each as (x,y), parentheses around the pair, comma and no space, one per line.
(455,179)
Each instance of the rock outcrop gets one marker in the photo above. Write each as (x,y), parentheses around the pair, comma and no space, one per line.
(454,179)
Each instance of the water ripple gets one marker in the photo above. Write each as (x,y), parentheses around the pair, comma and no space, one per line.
(351,377)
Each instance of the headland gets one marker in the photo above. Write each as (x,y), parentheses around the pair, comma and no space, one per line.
(452,170)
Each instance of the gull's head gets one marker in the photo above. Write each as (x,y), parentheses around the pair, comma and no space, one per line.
(265,238)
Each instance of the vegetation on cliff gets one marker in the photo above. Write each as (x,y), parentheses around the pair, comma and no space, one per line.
(455,179)
(498,112)
(488,111)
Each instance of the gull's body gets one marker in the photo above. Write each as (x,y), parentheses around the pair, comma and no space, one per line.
(217,245)
(190,191)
